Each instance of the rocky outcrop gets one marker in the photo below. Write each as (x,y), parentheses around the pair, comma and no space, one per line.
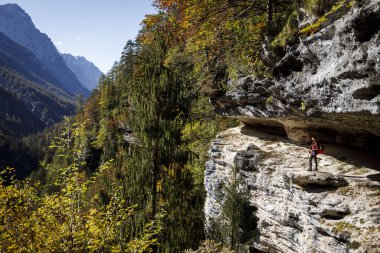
(317,179)
(327,85)
(335,209)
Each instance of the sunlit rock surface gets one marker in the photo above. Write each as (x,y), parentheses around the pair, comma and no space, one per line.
(86,72)
(327,85)
(336,209)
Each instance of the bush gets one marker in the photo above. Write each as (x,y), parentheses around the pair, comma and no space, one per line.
(288,34)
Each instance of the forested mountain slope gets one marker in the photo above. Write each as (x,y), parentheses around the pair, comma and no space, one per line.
(128,173)
(18,26)
(23,75)
(15,118)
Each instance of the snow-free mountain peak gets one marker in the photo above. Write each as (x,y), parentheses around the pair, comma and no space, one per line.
(87,73)
(16,24)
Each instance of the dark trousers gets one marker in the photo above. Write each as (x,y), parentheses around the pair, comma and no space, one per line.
(313,156)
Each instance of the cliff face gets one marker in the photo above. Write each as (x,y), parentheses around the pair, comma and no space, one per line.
(328,83)
(336,209)
(327,86)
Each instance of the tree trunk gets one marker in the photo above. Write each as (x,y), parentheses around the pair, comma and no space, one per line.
(156,165)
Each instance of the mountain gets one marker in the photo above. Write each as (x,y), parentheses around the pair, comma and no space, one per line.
(22,74)
(17,120)
(86,72)
(18,26)
(37,89)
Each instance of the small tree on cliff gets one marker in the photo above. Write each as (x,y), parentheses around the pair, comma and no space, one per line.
(238,223)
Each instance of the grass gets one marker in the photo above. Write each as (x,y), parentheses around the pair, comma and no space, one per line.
(288,33)
(303,106)
(361,171)
(320,7)
(313,28)
(344,190)
(269,100)
(319,24)
(343,226)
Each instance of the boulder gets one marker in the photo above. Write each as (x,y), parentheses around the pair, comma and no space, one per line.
(317,179)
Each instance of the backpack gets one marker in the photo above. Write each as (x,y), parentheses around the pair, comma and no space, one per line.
(321,148)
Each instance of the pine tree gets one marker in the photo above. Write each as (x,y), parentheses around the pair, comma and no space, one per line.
(160,96)
(128,58)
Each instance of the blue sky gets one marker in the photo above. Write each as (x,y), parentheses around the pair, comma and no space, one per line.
(96,29)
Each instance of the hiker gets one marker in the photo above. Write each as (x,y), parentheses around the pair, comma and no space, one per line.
(313,154)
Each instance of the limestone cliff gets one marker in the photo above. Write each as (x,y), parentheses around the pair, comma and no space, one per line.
(327,86)
(328,83)
(336,209)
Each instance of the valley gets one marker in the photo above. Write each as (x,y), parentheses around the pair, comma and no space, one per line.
(224,126)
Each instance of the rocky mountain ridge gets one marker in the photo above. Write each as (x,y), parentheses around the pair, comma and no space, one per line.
(87,73)
(327,85)
(23,75)
(16,24)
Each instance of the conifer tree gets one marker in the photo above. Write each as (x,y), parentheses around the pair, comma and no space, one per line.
(160,99)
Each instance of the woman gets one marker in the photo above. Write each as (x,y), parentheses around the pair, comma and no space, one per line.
(313,154)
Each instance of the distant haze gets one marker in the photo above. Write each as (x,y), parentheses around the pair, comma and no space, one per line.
(96,29)
(18,26)
(87,73)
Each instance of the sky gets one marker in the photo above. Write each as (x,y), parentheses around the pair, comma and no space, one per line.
(95,29)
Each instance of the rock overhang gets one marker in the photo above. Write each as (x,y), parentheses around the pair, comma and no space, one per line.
(327,85)
(296,210)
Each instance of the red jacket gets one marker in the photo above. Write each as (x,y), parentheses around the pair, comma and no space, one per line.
(314,147)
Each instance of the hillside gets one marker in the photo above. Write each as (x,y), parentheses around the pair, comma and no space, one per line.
(15,118)
(16,24)
(23,75)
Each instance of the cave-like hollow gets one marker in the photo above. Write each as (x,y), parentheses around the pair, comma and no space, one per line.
(357,144)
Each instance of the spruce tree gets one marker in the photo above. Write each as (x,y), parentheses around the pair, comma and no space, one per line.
(160,100)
